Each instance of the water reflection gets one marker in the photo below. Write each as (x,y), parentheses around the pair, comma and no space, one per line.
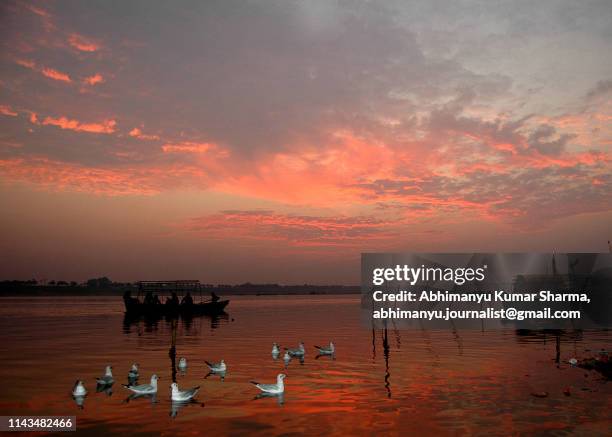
(221,375)
(105,388)
(280,397)
(152,397)
(152,323)
(387,353)
(176,406)
(326,356)
(287,359)
(463,382)
(79,401)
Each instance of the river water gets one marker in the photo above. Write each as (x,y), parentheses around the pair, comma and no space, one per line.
(393,382)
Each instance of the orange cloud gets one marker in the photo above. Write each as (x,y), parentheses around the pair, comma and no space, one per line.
(189,147)
(106,127)
(6,110)
(93,80)
(298,230)
(26,63)
(46,71)
(137,133)
(38,11)
(213,155)
(82,43)
(119,181)
(56,75)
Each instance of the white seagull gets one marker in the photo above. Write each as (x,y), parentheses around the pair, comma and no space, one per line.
(182,364)
(107,379)
(133,373)
(327,350)
(183,395)
(277,388)
(286,358)
(298,352)
(144,389)
(275,349)
(78,389)
(217,367)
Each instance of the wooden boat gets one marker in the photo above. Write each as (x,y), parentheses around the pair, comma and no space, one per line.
(135,307)
(172,307)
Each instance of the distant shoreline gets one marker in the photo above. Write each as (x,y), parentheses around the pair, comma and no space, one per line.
(236,290)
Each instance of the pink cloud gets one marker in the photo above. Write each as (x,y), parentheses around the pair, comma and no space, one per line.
(137,133)
(93,80)
(189,147)
(117,181)
(298,230)
(56,75)
(106,127)
(83,43)
(38,11)
(6,110)
(27,63)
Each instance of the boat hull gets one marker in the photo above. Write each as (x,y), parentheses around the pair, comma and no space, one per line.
(197,309)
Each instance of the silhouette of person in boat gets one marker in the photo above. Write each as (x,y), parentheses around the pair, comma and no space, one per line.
(187,300)
(151,299)
(214,297)
(174,300)
(128,299)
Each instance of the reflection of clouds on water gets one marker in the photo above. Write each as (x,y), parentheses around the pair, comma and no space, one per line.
(491,372)
(280,397)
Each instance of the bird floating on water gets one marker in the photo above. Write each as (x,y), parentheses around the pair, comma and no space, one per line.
(299,351)
(286,358)
(182,364)
(275,349)
(144,389)
(107,379)
(326,350)
(79,389)
(217,367)
(133,373)
(277,388)
(183,395)
(573,361)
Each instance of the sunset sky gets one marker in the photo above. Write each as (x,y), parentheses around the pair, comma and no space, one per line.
(236,141)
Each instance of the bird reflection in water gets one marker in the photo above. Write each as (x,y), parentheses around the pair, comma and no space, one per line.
(176,406)
(79,401)
(326,356)
(134,396)
(280,397)
(107,389)
(221,375)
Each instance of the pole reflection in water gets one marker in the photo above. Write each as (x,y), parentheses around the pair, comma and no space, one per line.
(172,351)
(386,352)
